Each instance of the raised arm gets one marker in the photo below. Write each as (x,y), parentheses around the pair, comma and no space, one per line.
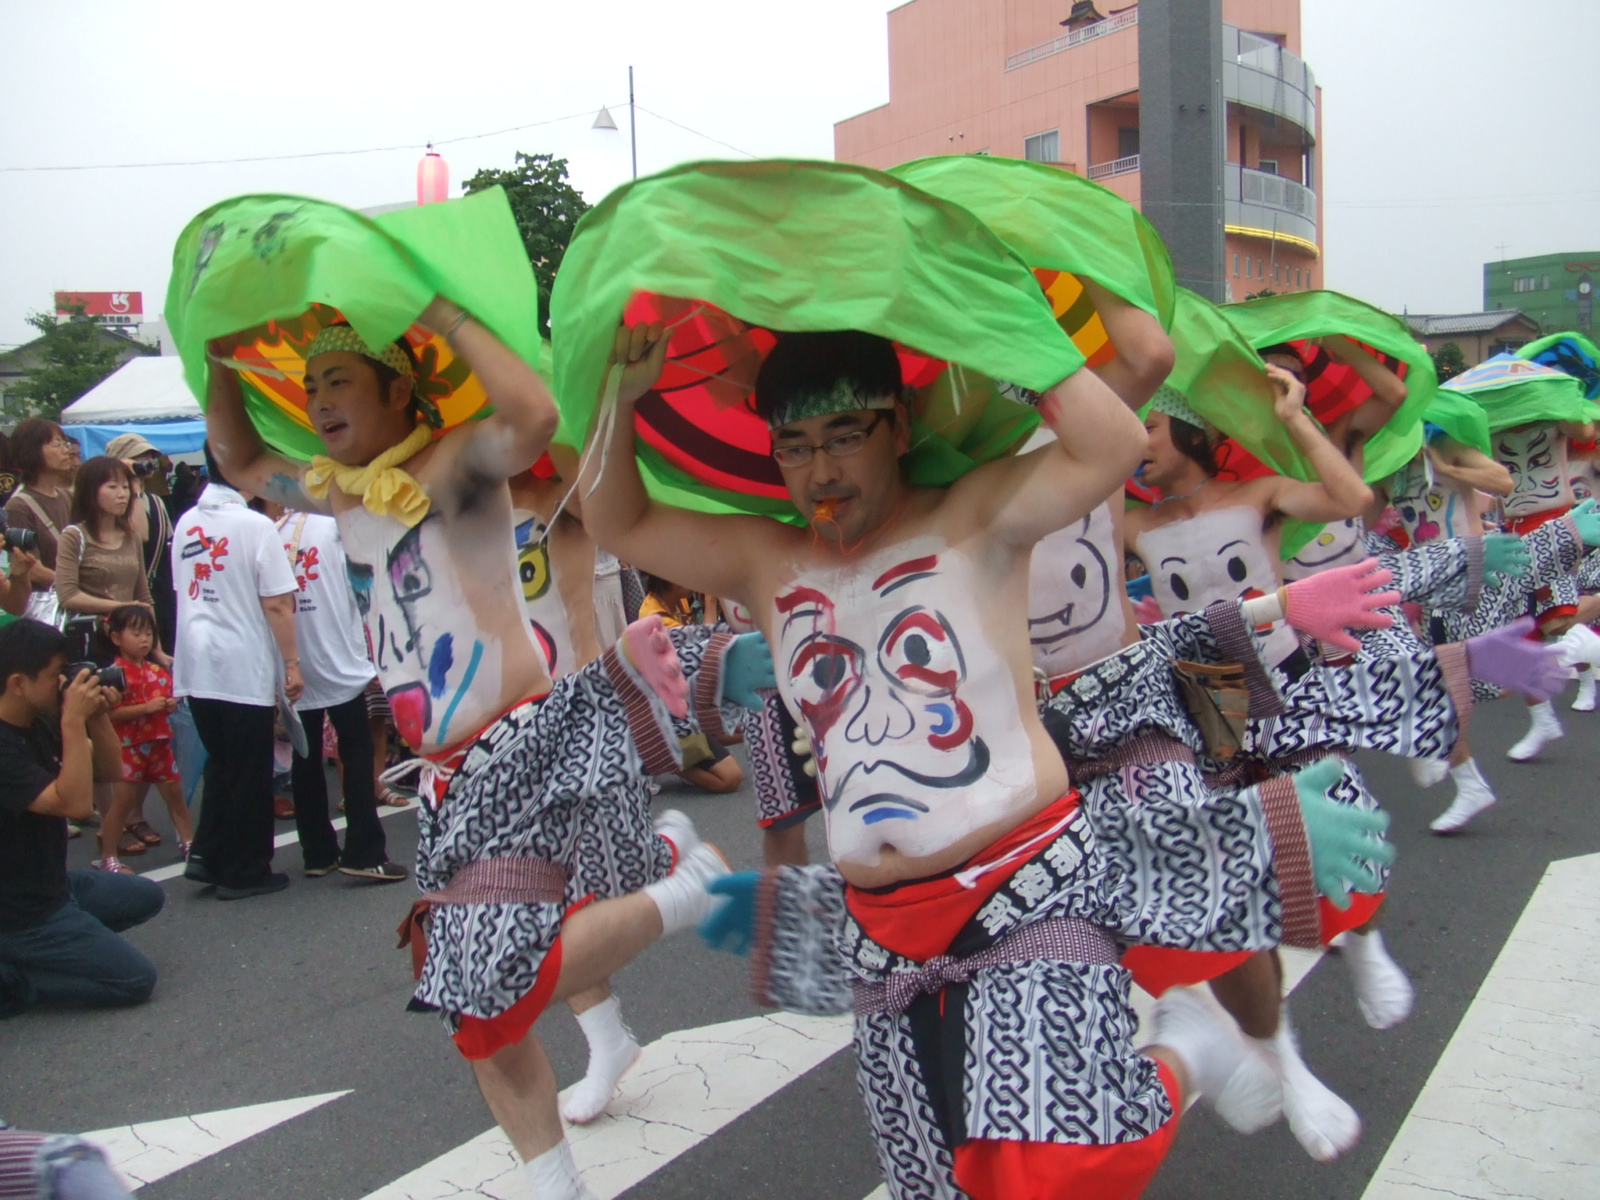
(1464,464)
(1144,351)
(1099,442)
(525,415)
(1338,491)
(703,552)
(572,562)
(238,447)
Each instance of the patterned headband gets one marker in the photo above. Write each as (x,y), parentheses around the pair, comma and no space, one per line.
(342,337)
(843,398)
(1175,404)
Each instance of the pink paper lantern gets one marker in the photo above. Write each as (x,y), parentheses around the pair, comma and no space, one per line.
(433,179)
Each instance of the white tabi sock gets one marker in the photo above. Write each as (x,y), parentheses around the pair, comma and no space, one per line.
(1238,1078)
(1584,700)
(554,1176)
(1473,795)
(612,1050)
(682,896)
(1545,728)
(1323,1124)
(1383,993)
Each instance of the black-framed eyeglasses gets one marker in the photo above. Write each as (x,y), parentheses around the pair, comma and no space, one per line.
(842,446)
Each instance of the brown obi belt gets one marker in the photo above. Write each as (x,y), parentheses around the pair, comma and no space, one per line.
(484,881)
(1062,939)
(1146,750)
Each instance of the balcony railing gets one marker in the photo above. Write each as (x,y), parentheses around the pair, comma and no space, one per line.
(1268,203)
(1077,37)
(1263,75)
(1117,166)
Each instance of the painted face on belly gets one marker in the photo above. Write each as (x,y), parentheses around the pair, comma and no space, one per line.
(421,632)
(1218,555)
(1073,617)
(912,713)
(1338,545)
(1536,456)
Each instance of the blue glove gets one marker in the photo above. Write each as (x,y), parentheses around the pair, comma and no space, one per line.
(1345,841)
(1139,588)
(731,925)
(1588,522)
(746,666)
(1504,553)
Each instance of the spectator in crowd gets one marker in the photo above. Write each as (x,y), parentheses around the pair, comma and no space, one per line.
(8,471)
(334,664)
(18,590)
(142,724)
(706,761)
(153,523)
(99,561)
(236,627)
(58,928)
(47,459)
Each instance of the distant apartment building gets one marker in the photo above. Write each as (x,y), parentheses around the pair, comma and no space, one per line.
(1058,82)
(1556,290)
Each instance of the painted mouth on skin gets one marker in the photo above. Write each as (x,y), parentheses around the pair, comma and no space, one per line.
(976,768)
(885,806)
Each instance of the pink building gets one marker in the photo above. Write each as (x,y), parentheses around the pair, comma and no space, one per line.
(1058,81)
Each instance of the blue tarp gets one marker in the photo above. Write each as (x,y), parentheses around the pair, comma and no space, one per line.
(170,437)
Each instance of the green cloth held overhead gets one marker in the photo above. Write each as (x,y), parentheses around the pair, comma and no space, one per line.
(734,254)
(1057,221)
(277,268)
(1301,316)
(1570,353)
(1459,418)
(1512,391)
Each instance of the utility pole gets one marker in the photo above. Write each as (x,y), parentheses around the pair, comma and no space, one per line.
(633,125)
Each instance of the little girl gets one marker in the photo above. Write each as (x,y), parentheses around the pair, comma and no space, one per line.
(141,719)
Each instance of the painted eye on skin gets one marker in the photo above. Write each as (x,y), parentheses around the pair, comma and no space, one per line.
(1080,575)
(1236,569)
(1180,589)
(825,668)
(919,652)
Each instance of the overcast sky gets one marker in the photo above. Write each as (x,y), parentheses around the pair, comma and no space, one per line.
(1450,126)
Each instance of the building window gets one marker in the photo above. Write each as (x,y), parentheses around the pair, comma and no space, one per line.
(1269,165)
(1297,277)
(1127,142)
(1043,147)
(1547,283)
(1236,266)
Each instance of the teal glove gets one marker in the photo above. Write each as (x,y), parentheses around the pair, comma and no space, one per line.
(747,666)
(1588,522)
(731,925)
(1345,841)
(1504,554)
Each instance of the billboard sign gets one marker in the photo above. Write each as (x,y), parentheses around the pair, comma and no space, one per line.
(108,308)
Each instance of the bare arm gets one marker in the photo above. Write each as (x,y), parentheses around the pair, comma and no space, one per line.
(1471,467)
(72,793)
(1574,432)
(238,447)
(525,415)
(1144,351)
(19,582)
(572,560)
(107,747)
(139,513)
(705,553)
(1338,491)
(279,611)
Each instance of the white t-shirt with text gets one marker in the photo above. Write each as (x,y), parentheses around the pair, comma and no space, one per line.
(327,625)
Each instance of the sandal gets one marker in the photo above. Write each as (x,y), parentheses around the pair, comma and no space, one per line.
(389,798)
(112,864)
(142,830)
(130,845)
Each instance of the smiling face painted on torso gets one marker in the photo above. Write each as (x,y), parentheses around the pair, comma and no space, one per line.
(1536,456)
(541,598)
(1430,507)
(914,715)
(1075,608)
(1337,544)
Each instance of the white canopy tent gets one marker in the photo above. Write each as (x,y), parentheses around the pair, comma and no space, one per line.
(147,396)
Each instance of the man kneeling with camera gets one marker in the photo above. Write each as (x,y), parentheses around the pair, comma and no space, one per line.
(58,928)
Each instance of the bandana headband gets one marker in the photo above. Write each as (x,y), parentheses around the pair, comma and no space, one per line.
(1175,404)
(843,398)
(343,337)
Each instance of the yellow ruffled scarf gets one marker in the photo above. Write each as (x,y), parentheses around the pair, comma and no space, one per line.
(383,487)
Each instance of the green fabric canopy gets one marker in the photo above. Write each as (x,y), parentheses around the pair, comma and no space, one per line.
(1057,221)
(1460,419)
(1513,391)
(278,267)
(742,251)
(1308,315)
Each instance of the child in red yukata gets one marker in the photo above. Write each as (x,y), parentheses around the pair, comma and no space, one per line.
(141,720)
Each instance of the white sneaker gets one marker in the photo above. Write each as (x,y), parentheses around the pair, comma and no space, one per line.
(1425,772)
(1473,795)
(1544,730)
(1383,993)
(1584,700)
(1323,1124)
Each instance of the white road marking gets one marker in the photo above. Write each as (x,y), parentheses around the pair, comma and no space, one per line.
(685,1087)
(1509,1109)
(153,1150)
(279,842)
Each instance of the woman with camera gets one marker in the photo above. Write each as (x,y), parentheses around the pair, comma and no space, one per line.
(99,568)
(47,459)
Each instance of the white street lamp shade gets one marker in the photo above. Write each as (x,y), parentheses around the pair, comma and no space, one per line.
(604,120)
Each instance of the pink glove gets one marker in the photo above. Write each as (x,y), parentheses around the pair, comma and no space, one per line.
(650,657)
(1507,658)
(1329,602)
(1146,611)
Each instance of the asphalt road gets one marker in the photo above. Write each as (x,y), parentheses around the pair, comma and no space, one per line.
(303,993)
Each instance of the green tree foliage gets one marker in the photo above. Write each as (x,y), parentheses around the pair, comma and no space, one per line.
(546,208)
(1448,361)
(1261,295)
(76,357)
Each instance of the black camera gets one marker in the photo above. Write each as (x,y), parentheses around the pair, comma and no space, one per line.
(146,466)
(111,677)
(25,540)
